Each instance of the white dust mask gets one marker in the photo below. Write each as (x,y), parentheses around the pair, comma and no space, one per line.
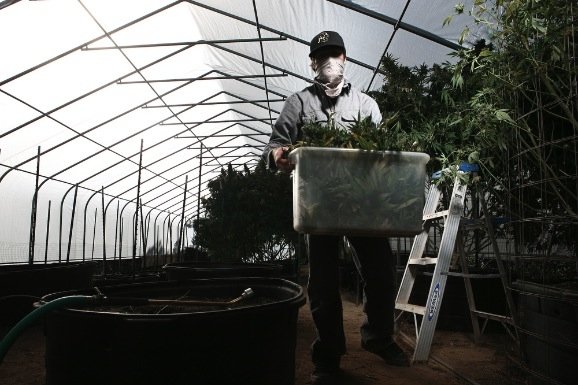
(329,74)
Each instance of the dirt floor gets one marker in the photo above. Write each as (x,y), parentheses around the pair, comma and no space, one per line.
(454,358)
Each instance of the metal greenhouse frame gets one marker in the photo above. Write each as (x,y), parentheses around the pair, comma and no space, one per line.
(112,125)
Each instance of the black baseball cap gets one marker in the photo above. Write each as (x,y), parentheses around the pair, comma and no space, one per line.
(326,39)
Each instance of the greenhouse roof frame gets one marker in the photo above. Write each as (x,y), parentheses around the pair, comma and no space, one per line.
(76,105)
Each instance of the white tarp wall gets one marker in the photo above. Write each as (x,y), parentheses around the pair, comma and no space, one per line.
(197,84)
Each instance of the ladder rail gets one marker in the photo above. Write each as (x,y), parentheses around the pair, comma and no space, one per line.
(437,286)
(429,312)
(469,291)
(409,274)
(475,314)
(499,262)
(418,246)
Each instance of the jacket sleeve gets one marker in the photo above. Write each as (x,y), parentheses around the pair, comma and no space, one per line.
(285,131)
(372,109)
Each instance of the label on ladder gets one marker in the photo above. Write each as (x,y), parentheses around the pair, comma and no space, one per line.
(435,296)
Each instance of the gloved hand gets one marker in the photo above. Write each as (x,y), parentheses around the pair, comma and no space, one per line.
(281,160)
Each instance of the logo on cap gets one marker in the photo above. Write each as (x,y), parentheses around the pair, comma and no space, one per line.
(323,37)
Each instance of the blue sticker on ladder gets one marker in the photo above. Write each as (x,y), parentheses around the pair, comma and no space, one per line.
(435,297)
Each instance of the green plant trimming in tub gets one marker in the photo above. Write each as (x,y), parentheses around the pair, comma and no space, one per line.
(374,197)
(389,135)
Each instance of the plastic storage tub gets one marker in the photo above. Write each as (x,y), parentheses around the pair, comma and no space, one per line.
(356,192)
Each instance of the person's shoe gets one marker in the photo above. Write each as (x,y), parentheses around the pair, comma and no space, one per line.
(324,378)
(391,353)
(325,373)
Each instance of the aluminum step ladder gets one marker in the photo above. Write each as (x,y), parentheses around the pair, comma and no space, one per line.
(451,241)
(416,261)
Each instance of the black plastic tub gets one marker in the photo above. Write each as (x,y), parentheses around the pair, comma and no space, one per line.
(194,270)
(250,343)
(40,279)
(548,326)
(22,285)
(122,279)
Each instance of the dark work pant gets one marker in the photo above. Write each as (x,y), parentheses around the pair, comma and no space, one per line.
(378,271)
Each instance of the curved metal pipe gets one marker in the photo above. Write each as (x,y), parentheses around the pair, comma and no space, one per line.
(60,224)
(84,225)
(165,236)
(71,224)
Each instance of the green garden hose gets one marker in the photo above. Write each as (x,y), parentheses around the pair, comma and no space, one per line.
(32,317)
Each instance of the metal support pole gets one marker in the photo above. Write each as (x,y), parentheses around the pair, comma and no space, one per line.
(84,230)
(93,234)
(47,234)
(116,230)
(186,235)
(137,206)
(182,232)
(170,229)
(84,223)
(71,223)
(165,235)
(199,187)
(120,231)
(33,212)
(222,77)
(179,239)
(60,225)
(144,226)
(103,235)
(170,237)
(134,242)
(157,245)
(156,233)
(155,251)
(402,25)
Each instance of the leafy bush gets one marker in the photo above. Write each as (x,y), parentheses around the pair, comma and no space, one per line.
(530,71)
(248,216)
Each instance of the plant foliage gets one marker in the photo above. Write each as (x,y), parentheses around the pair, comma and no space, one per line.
(529,72)
(248,216)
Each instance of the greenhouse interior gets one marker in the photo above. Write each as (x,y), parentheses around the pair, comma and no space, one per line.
(200,192)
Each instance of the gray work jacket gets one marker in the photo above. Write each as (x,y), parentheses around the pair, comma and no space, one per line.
(313,105)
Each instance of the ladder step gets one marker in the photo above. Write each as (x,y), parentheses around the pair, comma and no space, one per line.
(495,317)
(423,261)
(411,308)
(438,214)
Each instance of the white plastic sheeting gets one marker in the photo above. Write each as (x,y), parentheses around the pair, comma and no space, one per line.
(85,83)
